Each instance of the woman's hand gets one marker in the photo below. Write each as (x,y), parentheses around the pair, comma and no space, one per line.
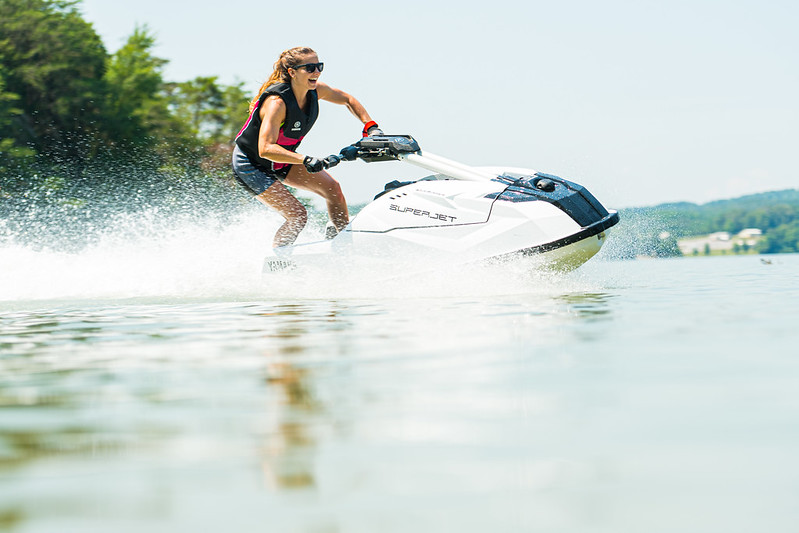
(371,128)
(313,164)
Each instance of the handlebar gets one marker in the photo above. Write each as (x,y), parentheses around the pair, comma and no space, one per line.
(377,148)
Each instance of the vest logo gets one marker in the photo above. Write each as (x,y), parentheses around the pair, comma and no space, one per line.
(297,126)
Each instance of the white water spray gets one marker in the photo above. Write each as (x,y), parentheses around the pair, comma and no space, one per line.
(150,257)
(190,259)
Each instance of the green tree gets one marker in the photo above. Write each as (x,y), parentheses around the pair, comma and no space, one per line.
(198,103)
(782,239)
(215,112)
(53,64)
(236,108)
(134,79)
(138,112)
(10,151)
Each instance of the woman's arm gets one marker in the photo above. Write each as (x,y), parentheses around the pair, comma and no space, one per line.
(273,114)
(337,96)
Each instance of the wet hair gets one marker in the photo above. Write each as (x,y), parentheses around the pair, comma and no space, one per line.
(288,59)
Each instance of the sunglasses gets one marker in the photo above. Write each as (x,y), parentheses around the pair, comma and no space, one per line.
(310,67)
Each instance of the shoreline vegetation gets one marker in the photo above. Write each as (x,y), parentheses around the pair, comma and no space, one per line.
(764,223)
(89,137)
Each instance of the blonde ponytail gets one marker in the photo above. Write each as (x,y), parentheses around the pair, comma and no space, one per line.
(288,59)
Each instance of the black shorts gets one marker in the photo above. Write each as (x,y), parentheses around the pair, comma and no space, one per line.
(255,179)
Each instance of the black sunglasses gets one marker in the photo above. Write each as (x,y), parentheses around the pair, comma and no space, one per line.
(310,67)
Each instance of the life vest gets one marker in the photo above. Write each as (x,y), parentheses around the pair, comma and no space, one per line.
(294,128)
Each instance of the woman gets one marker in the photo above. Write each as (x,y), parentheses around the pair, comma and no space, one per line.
(265,156)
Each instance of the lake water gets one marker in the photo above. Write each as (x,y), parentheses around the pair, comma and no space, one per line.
(168,389)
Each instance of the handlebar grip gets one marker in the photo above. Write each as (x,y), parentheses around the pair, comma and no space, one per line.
(349,153)
(332,160)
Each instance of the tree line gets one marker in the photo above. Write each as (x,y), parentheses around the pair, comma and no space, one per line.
(87,135)
(65,99)
(654,231)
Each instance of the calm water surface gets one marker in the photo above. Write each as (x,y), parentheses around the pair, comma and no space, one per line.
(656,396)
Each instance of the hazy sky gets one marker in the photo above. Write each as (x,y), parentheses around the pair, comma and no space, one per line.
(642,102)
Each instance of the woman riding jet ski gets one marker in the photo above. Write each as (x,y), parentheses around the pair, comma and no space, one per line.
(265,155)
(460,214)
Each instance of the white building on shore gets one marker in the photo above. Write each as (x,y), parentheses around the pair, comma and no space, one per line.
(720,242)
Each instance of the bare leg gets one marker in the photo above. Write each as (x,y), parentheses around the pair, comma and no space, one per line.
(325,186)
(281,200)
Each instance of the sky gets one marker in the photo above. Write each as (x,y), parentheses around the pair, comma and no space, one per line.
(642,102)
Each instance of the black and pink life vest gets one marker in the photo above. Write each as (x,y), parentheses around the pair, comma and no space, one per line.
(296,126)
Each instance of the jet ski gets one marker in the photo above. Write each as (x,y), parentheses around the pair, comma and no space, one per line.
(459,214)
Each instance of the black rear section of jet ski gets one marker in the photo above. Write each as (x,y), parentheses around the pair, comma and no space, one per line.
(571,198)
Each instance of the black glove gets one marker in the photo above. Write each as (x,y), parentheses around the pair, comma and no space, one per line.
(371,128)
(313,164)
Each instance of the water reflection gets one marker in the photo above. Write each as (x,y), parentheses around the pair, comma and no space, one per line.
(289,445)
(10,519)
(287,456)
(426,380)
(589,305)
(522,411)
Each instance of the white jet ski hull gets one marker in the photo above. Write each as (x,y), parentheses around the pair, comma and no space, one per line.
(440,222)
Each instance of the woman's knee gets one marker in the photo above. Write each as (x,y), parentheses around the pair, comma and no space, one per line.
(332,191)
(321,183)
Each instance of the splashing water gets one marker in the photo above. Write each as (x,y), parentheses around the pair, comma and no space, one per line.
(184,245)
(147,258)
(184,260)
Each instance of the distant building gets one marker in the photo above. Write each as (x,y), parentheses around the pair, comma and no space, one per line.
(750,234)
(720,242)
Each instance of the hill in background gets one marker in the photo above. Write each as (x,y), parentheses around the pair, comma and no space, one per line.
(654,231)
